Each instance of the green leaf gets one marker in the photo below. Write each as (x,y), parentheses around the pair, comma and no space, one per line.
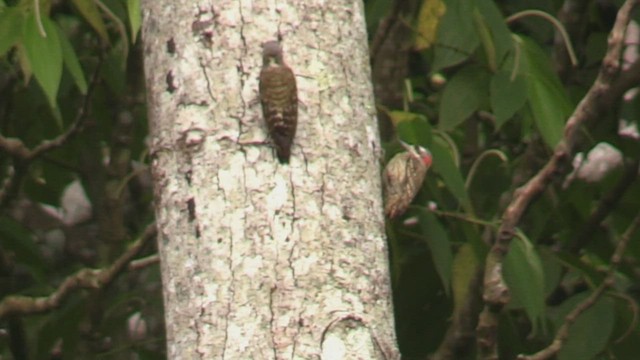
(524,274)
(465,93)
(507,96)
(457,38)
(25,66)
(500,33)
(465,266)
(553,270)
(485,38)
(45,56)
(11,20)
(548,101)
(444,165)
(135,19)
(440,246)
(549,111)
(412,128)
(589,335)
(90,12)
(71,62)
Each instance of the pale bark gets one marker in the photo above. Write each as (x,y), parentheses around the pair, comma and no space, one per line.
(262,260)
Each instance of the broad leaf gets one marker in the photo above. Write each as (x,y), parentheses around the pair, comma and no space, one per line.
(412,128)
(524,274)
(589,335)
(440,246)
(507,96)
(135,19)
(486,40)
(71,62)
(464,268)
(549,110)
(495,22)
(45,55)
(467,91)
(11,20)
(548,101)
(457,38)
(444,165)
(90,12)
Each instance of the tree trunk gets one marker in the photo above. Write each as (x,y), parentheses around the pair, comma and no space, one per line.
(259,259)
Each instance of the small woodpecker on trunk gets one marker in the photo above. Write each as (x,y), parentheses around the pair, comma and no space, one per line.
(279,98)
(403,177)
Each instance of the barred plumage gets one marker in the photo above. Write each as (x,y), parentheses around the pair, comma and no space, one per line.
(403,177)
(279,98)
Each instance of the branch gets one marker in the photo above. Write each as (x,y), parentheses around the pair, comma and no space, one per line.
(496,293)
(19,150)
(14,147)
(628,79)
(83,279)
(144,262)
(563,332)
(22,155)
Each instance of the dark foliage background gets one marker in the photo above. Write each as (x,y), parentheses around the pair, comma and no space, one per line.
(486,85)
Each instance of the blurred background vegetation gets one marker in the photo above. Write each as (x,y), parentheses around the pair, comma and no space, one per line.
(486,85)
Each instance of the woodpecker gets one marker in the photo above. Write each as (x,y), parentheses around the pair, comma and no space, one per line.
(403,177)
(279,98)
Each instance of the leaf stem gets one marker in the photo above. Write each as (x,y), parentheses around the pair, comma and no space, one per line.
(555,22)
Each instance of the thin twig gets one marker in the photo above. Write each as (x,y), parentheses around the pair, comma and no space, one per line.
(563,332)
(20,151)
(22,155)
(76,126)
(573,15)
(36,5)
(465,217)
(557,24)
(496,293)
(474,167)
(144,262)
(83,279)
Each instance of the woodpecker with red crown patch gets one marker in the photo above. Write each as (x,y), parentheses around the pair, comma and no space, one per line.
(403,177)
(279,99)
